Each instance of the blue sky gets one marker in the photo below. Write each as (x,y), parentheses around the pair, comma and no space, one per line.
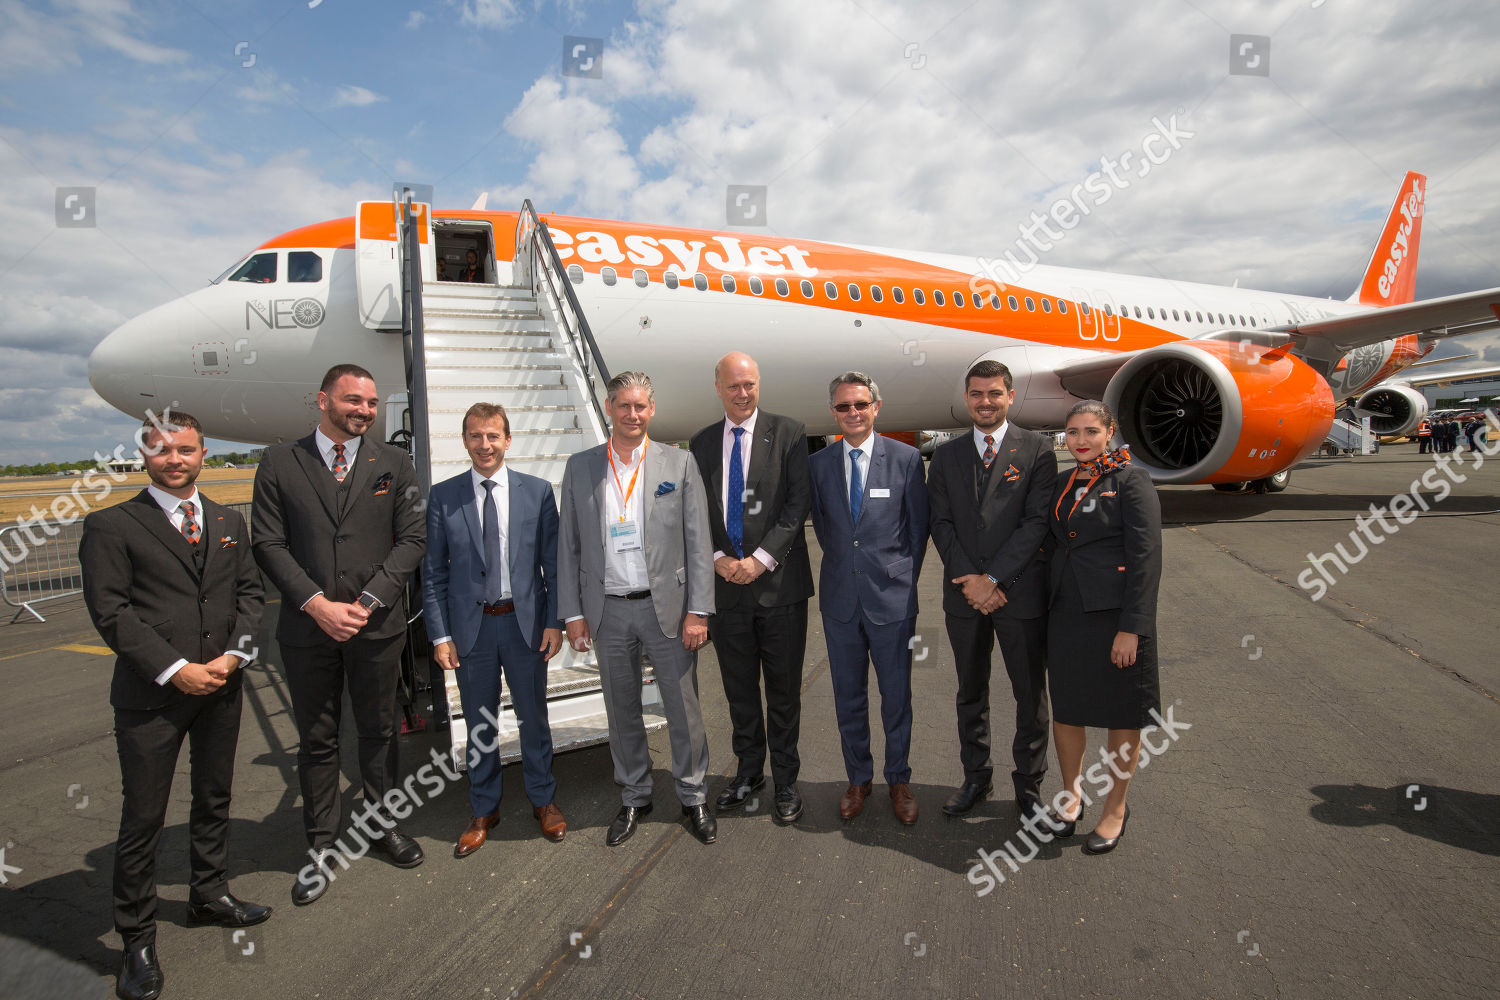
(936,126)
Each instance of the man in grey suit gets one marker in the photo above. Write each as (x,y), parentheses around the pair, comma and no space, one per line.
(635,573)
(338,527)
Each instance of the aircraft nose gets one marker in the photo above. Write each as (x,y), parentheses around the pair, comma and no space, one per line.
(119,368)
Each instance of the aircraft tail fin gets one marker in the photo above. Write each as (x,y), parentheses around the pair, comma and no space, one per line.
(1391,276)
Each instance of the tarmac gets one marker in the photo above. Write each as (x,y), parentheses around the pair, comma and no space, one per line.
(1326,822)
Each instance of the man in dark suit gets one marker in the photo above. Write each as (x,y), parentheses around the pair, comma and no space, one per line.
(869,511)
(754,466)
(489,591)
(170,585)
(991,493)
(338,528)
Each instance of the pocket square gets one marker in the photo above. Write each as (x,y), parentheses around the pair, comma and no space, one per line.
(665,488)
(228,542)
(1012,474)
(383,484)
(1107,493)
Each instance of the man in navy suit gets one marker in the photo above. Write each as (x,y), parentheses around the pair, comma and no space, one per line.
(489,590)
(869,511)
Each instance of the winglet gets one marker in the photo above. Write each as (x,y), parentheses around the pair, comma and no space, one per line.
(1391,276)
(481,201)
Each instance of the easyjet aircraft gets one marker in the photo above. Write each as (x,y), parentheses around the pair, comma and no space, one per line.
(1211,384)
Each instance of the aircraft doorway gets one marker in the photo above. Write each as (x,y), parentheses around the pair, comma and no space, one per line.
(455,240)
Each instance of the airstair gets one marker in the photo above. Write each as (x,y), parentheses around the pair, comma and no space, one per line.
(521,341)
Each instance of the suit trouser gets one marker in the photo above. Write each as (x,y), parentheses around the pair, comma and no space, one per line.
(626,629)
(754,642)
(315,676)
(149,743)
(852,647)
(500,646)
(1023,646)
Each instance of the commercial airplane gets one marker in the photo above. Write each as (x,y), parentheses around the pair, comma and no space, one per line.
(1211,384)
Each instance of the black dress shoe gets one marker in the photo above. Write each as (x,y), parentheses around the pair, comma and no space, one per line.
(1096,844)
(967,797)
(228,911)
(401,849)
(140,976)
(625,823)
(701,823)
(313,879)
(788,805)
(738,790)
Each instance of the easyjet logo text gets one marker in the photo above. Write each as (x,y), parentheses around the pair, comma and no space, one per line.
(722,253)
(1411,210)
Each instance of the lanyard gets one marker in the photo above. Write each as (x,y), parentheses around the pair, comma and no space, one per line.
(609,449)
(1066,490)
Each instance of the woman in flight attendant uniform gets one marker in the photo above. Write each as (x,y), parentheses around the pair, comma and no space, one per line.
(1101,630)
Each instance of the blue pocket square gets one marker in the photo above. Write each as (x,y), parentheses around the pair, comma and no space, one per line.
(665,488)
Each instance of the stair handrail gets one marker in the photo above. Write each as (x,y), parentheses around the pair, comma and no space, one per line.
(536,259)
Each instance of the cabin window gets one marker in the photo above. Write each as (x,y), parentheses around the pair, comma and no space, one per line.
(304,266)
(995,301)
(783,289)
(1014,305)
(958,300)
(978,300)
(608,274)
(853,291)
(807,291)
(1046,308)
(1150,314)
(575,274)
(1062,307)
(1200,315)
(876,294)
(755,285)
(897,295)
(260,268)
(937,296)
(1137,312)
(726,282)
(1031,308)
(918,297)
(670,279)
(642,279)
(831,290)
(700,281)
(1108,309)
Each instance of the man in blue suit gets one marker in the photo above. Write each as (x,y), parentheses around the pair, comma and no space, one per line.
(489,591)
(870,514)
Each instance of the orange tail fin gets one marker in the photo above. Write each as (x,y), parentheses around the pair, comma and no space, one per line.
(1391,276)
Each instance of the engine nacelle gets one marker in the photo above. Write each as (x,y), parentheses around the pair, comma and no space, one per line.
(1392,409)
(1203,411)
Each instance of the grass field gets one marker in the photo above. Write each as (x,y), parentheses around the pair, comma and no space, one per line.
(17,496)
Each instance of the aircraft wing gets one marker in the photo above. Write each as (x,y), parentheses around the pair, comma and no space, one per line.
(1449,316)
(1450,377)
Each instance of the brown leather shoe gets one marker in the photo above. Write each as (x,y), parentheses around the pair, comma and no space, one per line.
(473,837)
(904,803)
(853,800)
(551,818)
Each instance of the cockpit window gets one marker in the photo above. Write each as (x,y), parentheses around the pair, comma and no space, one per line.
(260,268)
(302,265)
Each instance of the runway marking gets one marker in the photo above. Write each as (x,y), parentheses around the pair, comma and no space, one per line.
(78,647)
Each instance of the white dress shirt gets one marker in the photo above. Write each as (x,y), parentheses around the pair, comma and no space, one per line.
(173,508)
(502,505)
(998,434)
(762,556)
(624,572)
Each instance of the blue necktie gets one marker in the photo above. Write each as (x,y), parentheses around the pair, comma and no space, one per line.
(856,485)
(735,522)
(494,583)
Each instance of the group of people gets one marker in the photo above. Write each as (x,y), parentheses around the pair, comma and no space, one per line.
(654,550)
(472,271)
(1441,436)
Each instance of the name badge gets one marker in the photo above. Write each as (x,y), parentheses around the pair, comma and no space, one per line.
(880,494)
(625,536)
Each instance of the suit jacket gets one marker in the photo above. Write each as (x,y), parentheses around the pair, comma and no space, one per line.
(778,498)
(453,570)
(871,566)
(1111,546)
(1002,534)
(679,554)
(313,533)
(153,606)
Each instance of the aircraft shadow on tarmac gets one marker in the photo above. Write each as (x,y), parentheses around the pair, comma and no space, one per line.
(1201,506)
(1466,820)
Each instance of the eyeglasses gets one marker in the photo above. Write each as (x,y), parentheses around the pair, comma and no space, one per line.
(862,405)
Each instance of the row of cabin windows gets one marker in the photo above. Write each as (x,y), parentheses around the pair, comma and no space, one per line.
(918,296)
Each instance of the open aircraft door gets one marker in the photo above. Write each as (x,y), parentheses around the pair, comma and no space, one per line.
(377,260)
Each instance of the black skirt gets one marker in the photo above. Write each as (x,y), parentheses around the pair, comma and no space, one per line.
(1087,689)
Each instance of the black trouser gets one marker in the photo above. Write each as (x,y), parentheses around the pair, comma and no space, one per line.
(315,677)
(149,743)
(1023,646)
(767,644)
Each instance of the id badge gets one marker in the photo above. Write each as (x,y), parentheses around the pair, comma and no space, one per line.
(625,536)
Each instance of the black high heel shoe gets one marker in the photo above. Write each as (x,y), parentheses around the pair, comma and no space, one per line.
(1061,828)
(1096,844)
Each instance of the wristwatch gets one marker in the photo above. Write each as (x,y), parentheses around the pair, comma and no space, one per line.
(368,602)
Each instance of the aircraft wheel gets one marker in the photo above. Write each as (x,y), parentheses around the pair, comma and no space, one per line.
(1274,484)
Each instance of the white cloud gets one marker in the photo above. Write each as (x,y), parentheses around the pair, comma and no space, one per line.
(414,20)
(491,13)
(349,96)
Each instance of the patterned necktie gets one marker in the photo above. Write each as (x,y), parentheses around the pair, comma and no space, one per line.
(989,450)
(494,577)
(856,485)
(735,521)
(191,529)
(340,466)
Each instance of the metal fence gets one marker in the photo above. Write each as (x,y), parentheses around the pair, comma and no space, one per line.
(39,563)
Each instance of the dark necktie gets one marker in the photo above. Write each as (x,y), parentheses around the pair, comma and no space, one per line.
(989,450)
(191,529)
(856,485)
(735,522)
(340,466)
(494,582)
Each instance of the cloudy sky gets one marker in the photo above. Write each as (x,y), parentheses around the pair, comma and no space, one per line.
(208,126)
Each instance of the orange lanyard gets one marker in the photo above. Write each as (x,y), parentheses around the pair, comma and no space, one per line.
(625,493)
(1066,489)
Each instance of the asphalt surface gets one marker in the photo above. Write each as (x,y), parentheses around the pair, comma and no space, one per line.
(1328,826)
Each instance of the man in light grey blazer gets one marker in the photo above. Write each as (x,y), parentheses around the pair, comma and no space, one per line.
(635,573)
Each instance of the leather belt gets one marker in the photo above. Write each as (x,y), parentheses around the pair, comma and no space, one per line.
(501,608)
(634,595)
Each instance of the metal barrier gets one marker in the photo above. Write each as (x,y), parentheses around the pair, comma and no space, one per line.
(39,562)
